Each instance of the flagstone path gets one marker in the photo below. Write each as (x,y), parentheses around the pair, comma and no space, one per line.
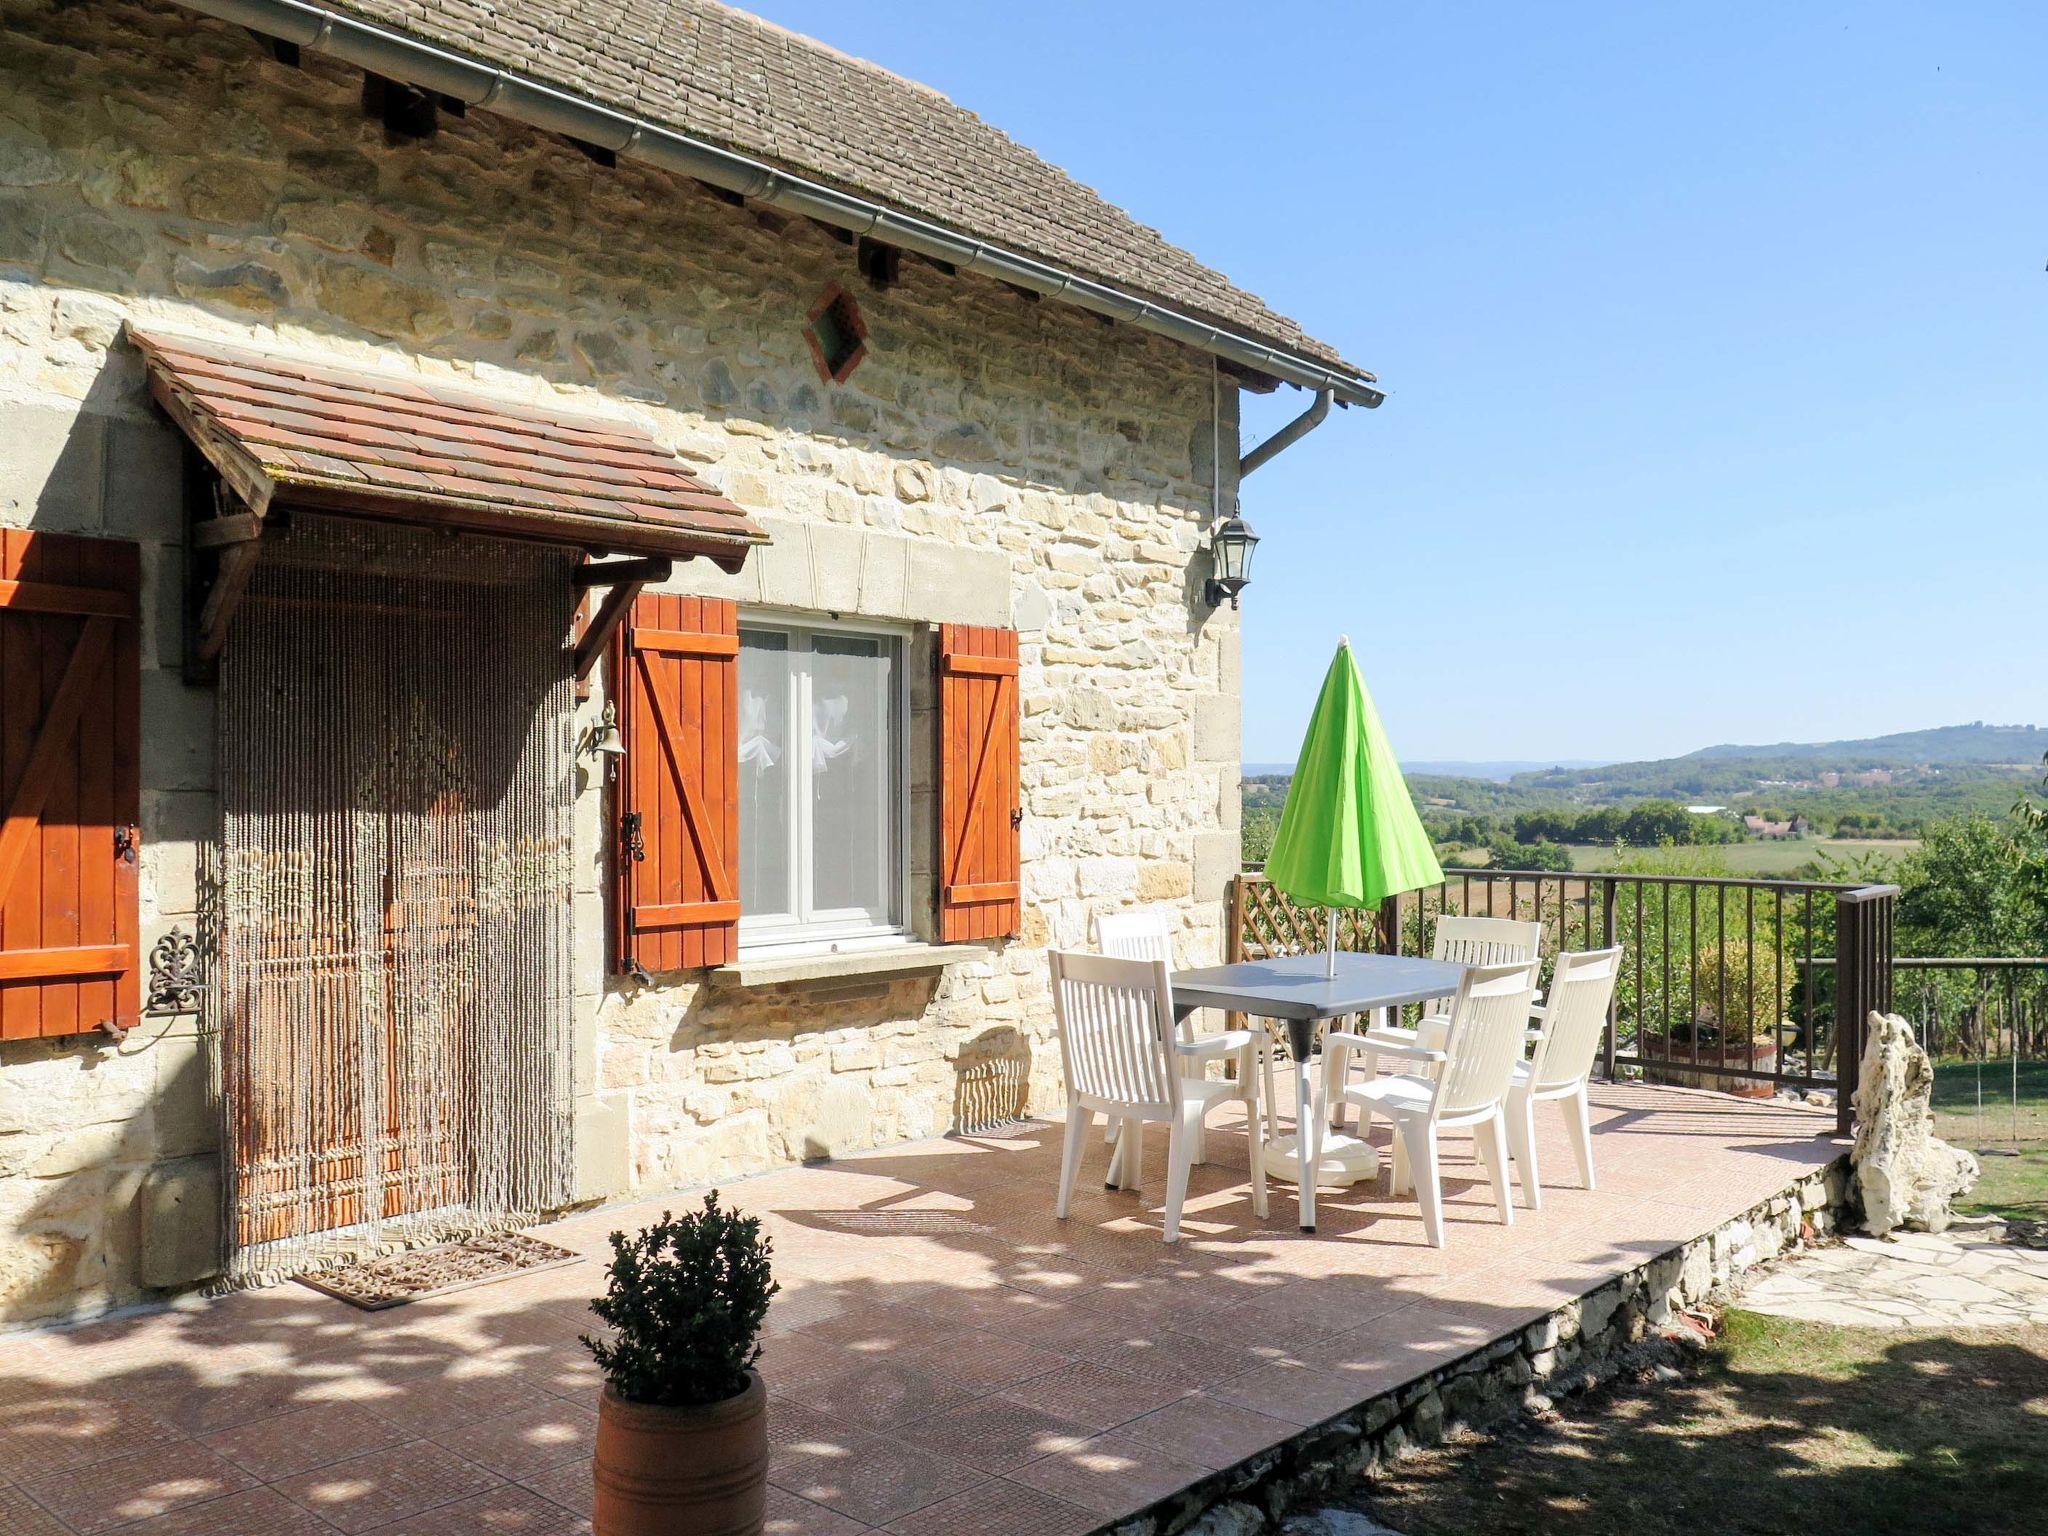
(1963,1278)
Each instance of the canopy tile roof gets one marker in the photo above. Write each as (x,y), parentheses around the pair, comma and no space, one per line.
(745,85)
(283,430)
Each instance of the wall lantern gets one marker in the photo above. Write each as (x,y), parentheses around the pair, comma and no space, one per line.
(1232,548)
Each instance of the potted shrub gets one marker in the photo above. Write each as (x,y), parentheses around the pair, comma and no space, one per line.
(1741,993)
(682,1431)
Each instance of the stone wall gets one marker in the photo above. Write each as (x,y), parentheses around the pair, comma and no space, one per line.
(1632,1318)
(995,460)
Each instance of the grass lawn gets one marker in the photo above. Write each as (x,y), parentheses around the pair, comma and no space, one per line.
(2013,1148)
(1781,1429)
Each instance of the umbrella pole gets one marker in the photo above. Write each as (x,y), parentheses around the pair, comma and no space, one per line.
(1330,953)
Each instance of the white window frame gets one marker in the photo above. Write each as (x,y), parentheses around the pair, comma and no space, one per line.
(827,931)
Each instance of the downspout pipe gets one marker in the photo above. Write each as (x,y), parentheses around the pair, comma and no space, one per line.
(1288,435)
(399,57)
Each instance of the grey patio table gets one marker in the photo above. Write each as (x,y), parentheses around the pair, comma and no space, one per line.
(1296,990)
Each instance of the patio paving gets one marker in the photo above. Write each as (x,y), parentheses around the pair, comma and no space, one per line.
(945,1357)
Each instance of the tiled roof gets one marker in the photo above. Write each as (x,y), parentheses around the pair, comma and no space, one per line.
(744,84)
(395,445)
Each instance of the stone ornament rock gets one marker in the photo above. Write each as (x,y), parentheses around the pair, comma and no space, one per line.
(1905,1174)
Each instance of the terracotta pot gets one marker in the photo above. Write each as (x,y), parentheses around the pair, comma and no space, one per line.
(700,1471)
(1693,1066)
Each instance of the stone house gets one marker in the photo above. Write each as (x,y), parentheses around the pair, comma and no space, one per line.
(1757,826)
(586,590)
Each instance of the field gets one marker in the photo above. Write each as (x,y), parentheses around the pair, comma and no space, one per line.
(1765,859)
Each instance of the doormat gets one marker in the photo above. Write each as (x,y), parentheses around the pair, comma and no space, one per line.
(424,1272)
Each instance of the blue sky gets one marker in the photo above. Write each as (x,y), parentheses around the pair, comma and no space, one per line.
(1717,339)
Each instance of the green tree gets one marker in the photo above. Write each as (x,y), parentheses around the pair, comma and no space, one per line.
(1965,890)
(1546,826)
(1260,823)
(2030,874)
(1547,856)
(1604,825)
(1652,822)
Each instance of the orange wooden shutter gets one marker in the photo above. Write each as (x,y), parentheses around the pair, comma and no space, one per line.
(679,805)
(70,722)
(979,793)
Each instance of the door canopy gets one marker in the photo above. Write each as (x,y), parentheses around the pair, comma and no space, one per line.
(285,432)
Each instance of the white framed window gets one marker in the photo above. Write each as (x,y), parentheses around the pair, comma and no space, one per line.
(824,711)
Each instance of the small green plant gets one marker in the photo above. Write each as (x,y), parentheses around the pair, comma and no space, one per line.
(1741,994)
(684,1300)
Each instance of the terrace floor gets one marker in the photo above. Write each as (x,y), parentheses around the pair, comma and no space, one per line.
(944,1356)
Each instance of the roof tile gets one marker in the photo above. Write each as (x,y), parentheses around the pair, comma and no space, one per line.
(434,446)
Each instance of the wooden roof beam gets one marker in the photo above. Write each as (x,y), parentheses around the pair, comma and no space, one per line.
(625,578)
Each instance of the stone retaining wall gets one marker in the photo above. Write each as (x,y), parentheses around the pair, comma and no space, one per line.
(1570,1350)
(995,460)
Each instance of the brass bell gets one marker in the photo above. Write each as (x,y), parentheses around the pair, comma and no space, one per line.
(603,739)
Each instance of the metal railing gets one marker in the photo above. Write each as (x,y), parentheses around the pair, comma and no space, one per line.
(1973,1007)
(1749,986)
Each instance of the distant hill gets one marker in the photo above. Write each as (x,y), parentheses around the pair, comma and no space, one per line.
(1970,751)
(2012,745)
(1501,771)
(1891,781)
(1894,783)
(1457,769)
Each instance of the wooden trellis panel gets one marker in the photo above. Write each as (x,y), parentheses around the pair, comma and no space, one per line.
(1269,922)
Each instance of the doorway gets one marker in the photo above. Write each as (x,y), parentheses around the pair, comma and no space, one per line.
(393,893)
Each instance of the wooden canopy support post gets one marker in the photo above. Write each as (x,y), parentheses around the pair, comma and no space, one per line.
(607,573)
(220,557)
(230,581)
(625,578)
(228,528)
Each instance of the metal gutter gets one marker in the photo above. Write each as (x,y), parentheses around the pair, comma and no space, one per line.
(399,57)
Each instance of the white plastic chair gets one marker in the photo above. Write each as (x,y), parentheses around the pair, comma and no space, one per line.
(1567,1038)
(1146,933)
(1462,940)
(1120,1057)
(1468,1086)
(1143,933)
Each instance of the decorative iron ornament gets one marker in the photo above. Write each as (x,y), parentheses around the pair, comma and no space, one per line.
(177,974)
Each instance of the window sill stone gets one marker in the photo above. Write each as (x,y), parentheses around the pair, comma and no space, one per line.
(770,970)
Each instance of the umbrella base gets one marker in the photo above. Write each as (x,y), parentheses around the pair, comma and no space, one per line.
(1341,1160)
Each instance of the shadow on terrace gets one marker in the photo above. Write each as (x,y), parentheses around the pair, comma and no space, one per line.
(945,1356)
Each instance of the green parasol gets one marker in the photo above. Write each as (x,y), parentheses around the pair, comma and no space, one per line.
(1349,835)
